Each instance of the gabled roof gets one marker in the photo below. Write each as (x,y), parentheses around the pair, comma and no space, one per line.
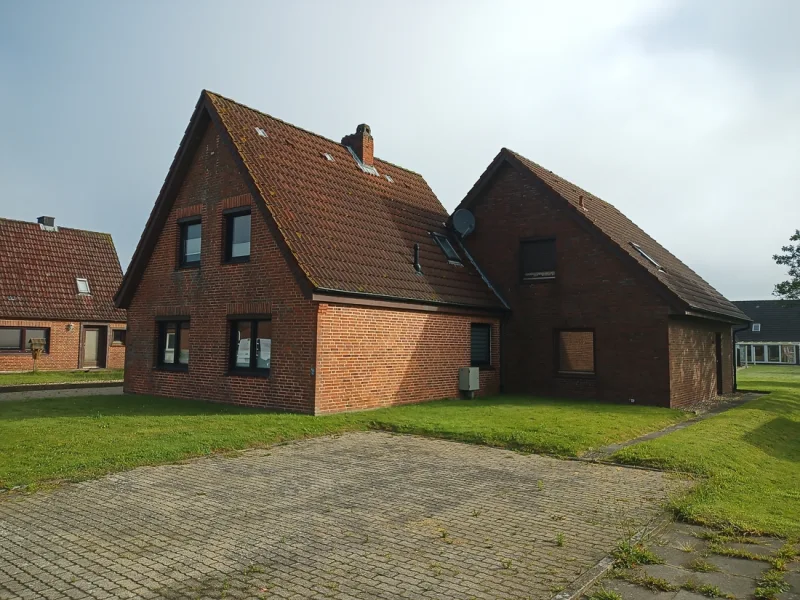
(689,291)
(347,231)
(39,269)
(779,320)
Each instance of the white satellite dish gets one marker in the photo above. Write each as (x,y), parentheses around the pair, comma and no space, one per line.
(463,222)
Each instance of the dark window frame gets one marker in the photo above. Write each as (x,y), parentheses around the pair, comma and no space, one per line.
(123,341)
(230,215)
(233,346)
(488,359)
(537,240)
(441,240)
(163,325)
(557,353)
(183,229)
(22,335)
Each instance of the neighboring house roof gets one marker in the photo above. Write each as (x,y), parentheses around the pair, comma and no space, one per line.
(39,268)
(779,320)
(681,283)
(346,230)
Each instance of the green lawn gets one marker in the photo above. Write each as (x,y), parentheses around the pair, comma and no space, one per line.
(31,378)
(750,457)
(82,437)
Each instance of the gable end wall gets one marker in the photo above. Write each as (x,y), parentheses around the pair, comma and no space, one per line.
(210,294)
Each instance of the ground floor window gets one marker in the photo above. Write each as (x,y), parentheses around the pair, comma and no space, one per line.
(481,344)
(251,346)
(575,351)
(118,337)
(18,339)
(173,344)
(768,354)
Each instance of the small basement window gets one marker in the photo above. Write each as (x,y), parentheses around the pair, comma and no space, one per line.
(480,344)
(538,259)
(83,286)
(757,327)
(575,352)
(447,248)
(647,256)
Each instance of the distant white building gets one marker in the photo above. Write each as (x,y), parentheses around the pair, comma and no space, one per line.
(774,334)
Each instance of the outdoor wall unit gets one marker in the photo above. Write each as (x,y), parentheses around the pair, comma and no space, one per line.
(469,381)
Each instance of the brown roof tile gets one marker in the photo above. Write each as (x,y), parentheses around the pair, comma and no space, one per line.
(348,231)
(38,270)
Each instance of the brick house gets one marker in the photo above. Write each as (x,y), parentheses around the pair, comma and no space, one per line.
(773,337)
(58,284)
(282,269)
(598,308)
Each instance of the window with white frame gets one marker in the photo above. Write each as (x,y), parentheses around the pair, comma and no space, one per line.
(756,327)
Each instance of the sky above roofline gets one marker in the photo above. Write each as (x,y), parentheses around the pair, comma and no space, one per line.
(684,115)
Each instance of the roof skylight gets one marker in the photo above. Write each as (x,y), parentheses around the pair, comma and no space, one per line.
(83,286)
(389,179)
(327,156)
(647,256)
(261,132)
(447,248)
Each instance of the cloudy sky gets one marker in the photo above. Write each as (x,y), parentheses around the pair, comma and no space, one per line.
(683,114)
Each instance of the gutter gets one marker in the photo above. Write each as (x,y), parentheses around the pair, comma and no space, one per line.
(733,344)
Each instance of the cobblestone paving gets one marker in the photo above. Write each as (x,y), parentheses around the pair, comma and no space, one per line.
(691,561)
(365,515)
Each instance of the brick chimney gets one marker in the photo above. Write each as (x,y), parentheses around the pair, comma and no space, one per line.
(362,143)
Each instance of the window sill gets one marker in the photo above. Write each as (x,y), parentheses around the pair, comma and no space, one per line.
(575,375)
(188,267)
(236,260)
(117,344)
(537,280)
(176,369)
(262,373)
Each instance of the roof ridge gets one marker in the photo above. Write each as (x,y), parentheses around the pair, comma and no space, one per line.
(308,131)
(60,228)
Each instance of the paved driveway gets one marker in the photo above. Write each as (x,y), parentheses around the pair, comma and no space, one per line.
(365,515)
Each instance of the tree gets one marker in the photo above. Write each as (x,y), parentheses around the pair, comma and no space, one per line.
(790,289)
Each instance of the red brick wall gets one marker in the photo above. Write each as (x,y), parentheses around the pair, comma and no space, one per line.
(116,352)
(594,289)
(209,294)
(371,357)
(693,362)
(64,348)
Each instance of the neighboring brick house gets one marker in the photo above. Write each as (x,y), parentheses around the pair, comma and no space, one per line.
(773,337)
(282,269)
(598,308)
(277,269)
(58,284)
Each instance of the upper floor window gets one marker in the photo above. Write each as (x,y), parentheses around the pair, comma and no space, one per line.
(480,344)
(191,232)
(18,339)
(173,344)
(237,236)
(538,259)
(757,327)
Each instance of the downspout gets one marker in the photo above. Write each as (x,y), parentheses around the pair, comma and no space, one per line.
(736,355)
